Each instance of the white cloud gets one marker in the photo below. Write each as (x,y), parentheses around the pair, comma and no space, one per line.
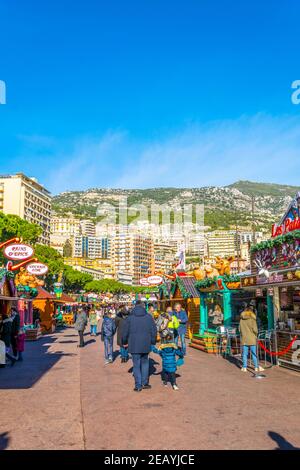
(257,148)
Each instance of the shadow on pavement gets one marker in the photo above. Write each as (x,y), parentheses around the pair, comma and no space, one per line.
(152,368)
(89,342)
(281,442)
(4,440)
(67,342)
(37,361)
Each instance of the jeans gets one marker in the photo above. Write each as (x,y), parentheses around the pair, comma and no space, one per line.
(253,354)
(140,369)
(168,377)
(94,330)
(108,347)
(81,340)
(124,353)
(182,342)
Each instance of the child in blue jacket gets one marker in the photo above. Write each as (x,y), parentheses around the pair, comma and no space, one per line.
(168,352)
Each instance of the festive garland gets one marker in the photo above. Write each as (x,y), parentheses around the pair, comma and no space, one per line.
(4,273)
(277,241)
(206,283)
(163,290)
(231,278)
(210,281)
(178,281)
(26,291)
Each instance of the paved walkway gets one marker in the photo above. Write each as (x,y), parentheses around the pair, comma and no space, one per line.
(62,397)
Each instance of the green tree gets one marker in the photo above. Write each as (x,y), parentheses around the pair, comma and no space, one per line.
(13,226)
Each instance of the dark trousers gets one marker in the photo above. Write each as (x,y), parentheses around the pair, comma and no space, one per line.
(81,340)
(140,369)
(168,377)
(13,342)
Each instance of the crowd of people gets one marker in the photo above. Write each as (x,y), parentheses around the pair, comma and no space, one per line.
(140,331)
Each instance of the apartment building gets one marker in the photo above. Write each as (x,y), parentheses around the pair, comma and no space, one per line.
(25,197)
(164,256)
(221,243)
(98,268)
(133,254)
(65,226)
(91,247)
(88,228)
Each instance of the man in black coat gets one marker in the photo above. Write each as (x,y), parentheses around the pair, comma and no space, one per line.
(139,333)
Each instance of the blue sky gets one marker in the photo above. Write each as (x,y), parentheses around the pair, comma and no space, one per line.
(144,93)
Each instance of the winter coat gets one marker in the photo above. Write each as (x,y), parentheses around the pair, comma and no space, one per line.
(108,328)
(21,342)
(5,331)
(15,327)
(81,321)
(119,321)
(139,331)
(248,328)
(168,354)
(183,319)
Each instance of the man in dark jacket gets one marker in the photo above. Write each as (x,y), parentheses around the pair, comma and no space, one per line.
(119,320)
(139,333)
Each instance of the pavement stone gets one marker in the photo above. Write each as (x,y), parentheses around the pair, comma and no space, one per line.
(63,397)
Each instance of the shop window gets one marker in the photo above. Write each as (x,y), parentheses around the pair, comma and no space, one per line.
(241,300)
(215,311)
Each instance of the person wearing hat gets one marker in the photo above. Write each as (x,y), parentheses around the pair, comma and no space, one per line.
(168,352)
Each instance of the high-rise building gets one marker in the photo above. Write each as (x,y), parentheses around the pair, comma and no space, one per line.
(91,247)
(88,228)
(164,256)
(221,243)
(65,226)
(133,254)
(25,197)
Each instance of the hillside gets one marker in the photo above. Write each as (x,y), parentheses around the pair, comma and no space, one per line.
(224,206)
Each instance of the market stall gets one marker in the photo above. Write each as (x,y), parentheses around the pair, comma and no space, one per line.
(275,276)
(182,290)
(65,307)
(218,296)
(43,307)
(8,297)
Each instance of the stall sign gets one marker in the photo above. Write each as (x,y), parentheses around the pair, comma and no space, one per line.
(274,278)
(144,281)
(154,280)
(291,219)
(18,251)
(38,269)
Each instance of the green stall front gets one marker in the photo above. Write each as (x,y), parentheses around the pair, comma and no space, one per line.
(221,303)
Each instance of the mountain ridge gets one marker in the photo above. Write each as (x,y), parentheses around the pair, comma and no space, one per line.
(225,206)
